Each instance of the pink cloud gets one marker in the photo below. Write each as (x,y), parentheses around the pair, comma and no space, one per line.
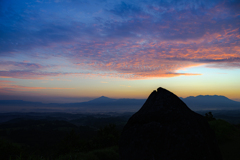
(142,42)
(12,65)
(137,58)
(6,88)
(3,81)
(146,58)
(26,74)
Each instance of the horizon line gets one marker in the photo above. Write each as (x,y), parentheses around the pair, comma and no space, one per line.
(75,100)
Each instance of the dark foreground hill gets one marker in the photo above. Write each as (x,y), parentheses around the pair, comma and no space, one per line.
(64,136)
(165,128)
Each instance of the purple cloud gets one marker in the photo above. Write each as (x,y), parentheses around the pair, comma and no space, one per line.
(140,39)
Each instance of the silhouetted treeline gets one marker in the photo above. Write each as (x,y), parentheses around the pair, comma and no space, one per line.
(86,137)
(22,138)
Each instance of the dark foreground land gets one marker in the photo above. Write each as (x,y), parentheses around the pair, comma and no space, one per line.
(66,136)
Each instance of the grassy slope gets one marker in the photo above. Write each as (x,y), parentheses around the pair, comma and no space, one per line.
(228,137)
(227,134)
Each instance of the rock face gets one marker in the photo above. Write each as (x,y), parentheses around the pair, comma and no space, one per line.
(166,129)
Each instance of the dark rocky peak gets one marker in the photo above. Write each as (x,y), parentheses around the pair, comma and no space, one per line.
(162,99)
(165,128)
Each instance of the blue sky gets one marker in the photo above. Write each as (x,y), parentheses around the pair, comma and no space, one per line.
(76,50)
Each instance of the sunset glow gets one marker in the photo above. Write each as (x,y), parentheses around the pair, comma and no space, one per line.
(73,51)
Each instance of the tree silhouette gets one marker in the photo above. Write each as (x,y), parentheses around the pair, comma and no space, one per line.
(209,116)
(108,136)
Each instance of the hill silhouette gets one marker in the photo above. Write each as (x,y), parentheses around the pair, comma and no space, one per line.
(210,102)
(106,104)
(102,99)
(165,128)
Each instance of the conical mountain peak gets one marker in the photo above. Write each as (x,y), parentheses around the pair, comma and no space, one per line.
(165,128)
(102,99)
(162,99)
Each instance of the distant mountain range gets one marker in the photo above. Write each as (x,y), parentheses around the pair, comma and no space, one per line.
(105,104)
(208,102)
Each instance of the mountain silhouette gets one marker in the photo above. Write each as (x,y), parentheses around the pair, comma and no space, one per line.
(211,102)
(107,104)
(102,99)
(165,128)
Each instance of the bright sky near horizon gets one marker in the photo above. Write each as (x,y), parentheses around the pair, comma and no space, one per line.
(77,50)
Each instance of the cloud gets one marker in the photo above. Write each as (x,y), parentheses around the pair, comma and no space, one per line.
(125,9)
(225,65)
(3,81)
(125,86)
(103,82)
(26,74)
(8,65)
(6,88)
(153,57)
(23,70)
(147,39)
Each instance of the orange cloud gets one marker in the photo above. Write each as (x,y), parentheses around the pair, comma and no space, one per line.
(151,57)
(6,88)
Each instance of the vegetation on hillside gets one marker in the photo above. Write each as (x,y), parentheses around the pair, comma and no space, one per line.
(50,140)
(228,137)
(95,139)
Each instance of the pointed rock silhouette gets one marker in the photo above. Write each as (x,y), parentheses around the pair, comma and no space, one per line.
(166,129)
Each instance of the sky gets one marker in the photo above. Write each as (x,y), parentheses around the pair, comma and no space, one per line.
(76,50)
